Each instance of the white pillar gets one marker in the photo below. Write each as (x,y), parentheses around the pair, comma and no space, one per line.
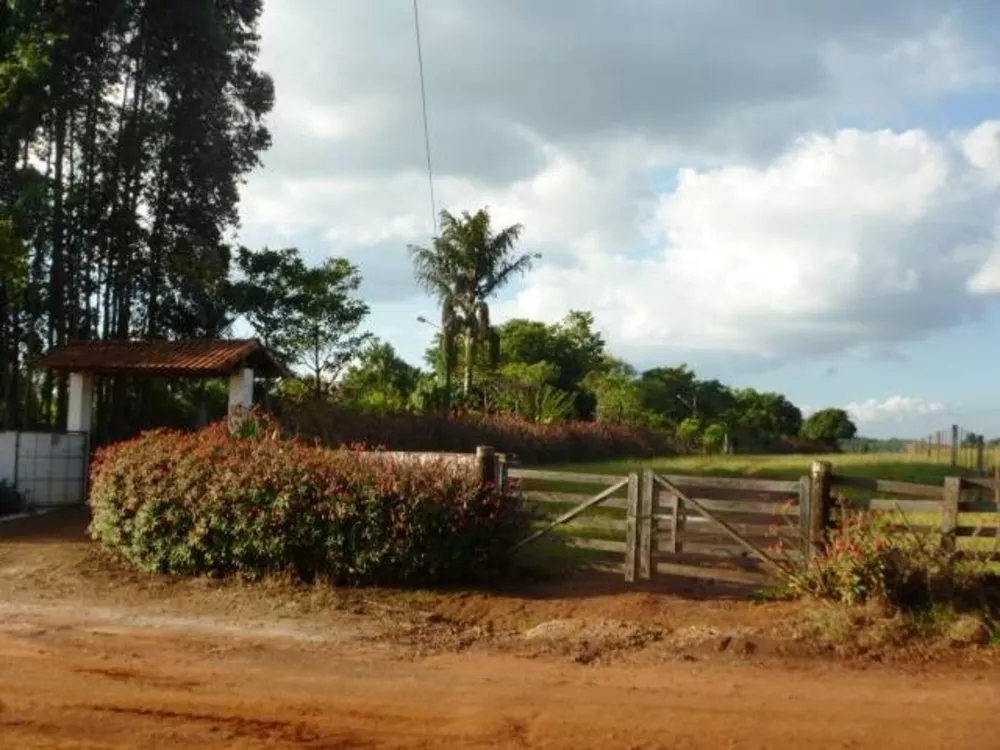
(81,402)
(241,390)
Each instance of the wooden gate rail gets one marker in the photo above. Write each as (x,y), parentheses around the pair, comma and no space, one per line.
(570,515)
(710,527)
(753,549)
(587,502)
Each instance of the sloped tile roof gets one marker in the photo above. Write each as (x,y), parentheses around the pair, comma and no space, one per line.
(191,358)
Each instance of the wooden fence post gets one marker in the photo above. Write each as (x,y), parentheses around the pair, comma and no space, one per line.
(646,524)
(954,445)
(631,527)
(486,464)
(981,454)
(949,512)
(819,502)
(502,478)
(805,515)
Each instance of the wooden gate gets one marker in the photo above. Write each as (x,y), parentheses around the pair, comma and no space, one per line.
(651,524)
(600,527)
(740,530)
(737,530)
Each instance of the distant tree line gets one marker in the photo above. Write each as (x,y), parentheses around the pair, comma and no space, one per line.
(546,373)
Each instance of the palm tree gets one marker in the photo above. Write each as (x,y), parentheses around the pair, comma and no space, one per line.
(466,265)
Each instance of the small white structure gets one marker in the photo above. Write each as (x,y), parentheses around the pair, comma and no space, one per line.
(50,468)
(239,360)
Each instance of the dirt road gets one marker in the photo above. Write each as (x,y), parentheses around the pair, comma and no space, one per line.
(87,681)
(94,657)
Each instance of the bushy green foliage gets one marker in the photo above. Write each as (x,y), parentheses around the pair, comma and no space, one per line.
(689,432)
(714,437)
(379,379)
(878,558)
(829,426)
(260,503)
(619,401)
(528,392)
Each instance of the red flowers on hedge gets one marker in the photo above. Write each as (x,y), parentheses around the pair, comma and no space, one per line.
(529,441)
(207,502)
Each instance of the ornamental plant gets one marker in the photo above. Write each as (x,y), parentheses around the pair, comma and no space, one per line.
(259,503)
(880,558)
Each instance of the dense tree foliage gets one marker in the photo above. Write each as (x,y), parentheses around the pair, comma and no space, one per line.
(380,379)
(829,426)
(568,364)
(467,265)
(126,127)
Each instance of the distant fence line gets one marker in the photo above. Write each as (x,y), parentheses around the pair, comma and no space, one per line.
(956,446)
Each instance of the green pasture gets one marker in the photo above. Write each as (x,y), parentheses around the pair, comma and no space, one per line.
(895,466)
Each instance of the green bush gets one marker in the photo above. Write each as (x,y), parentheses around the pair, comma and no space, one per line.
(258,504)
(879,558)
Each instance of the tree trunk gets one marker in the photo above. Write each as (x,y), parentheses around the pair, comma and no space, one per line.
(470,347)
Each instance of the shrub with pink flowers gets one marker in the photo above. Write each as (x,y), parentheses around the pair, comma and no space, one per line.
(531,442)
(258,503)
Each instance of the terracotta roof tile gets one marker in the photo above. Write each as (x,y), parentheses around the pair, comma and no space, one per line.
(209,357)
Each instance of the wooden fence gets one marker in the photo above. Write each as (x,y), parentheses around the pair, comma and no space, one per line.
(646,524)
(956,446)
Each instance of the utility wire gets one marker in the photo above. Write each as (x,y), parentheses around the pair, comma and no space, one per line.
(423,104)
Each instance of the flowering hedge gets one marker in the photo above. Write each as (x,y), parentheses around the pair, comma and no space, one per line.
(206,502)
(529,441)
(879,557)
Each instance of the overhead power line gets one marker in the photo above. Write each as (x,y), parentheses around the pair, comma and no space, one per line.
(423,105)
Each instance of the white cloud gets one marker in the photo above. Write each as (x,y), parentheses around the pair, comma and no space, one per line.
(896,409)
(982,148)
(780,235)
(709,78)
(935,59)
(845,244)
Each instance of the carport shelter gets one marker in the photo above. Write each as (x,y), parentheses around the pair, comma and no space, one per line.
(239,360)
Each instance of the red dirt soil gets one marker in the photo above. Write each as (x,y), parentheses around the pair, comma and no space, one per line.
(91,658)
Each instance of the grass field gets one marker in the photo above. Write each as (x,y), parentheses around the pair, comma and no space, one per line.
(895,466)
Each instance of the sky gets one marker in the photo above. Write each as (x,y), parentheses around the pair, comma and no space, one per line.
(791,195)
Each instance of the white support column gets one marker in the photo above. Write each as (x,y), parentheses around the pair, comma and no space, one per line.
(81,402)
(241,391)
